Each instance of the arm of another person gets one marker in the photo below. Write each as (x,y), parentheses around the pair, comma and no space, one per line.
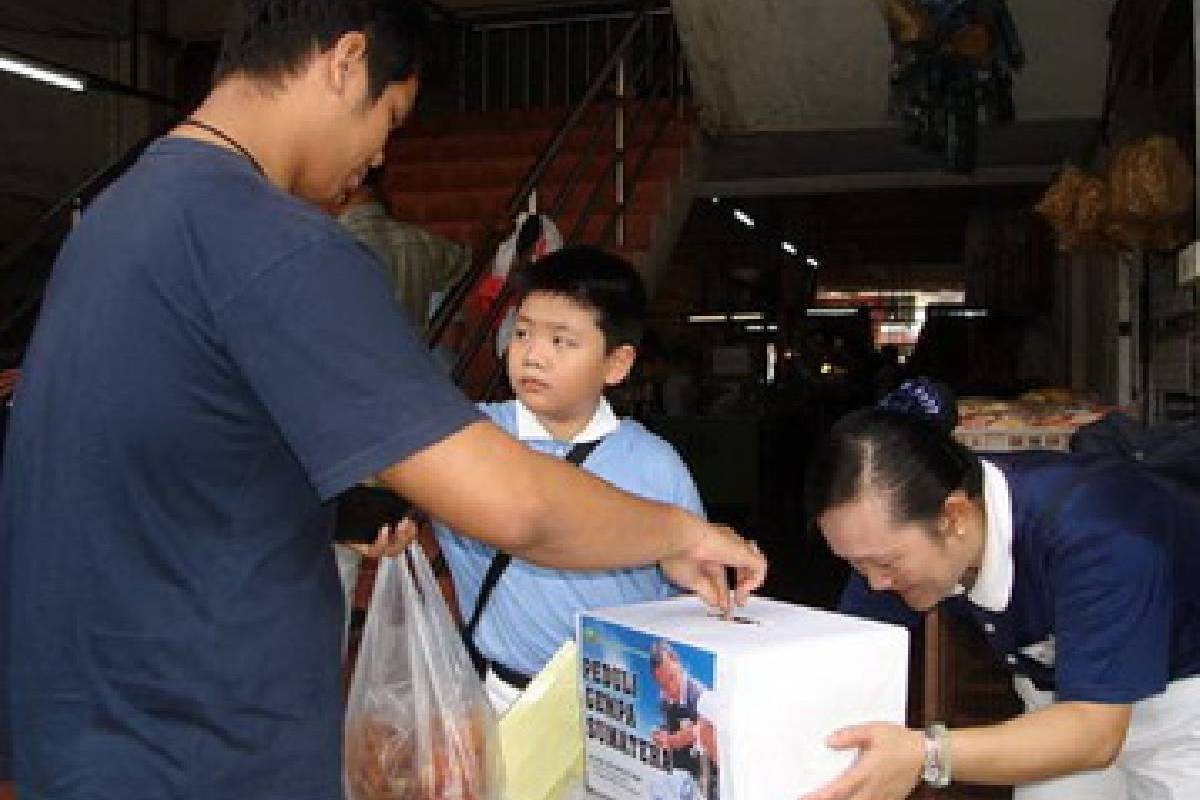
(351,389)
(486,485)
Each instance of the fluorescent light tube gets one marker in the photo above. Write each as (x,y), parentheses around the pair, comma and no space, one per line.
(53,77)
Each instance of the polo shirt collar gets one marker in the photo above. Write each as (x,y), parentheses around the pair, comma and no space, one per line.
(994,583)
(603,422)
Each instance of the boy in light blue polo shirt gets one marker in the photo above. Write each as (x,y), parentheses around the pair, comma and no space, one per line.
(576,333)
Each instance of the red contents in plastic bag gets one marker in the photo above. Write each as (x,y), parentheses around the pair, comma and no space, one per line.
(418,723)
(381,764)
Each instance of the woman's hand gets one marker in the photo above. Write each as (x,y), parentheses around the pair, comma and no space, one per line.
(888,766)
(391,540)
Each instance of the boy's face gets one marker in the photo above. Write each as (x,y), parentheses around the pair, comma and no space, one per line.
(558,364)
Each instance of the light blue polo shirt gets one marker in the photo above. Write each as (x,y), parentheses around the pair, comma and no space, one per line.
(532,610)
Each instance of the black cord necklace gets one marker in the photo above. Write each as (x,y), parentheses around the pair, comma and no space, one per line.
(220,134)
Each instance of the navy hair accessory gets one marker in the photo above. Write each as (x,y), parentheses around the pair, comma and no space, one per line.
(920,397)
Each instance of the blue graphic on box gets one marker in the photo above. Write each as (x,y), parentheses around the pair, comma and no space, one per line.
(641,694)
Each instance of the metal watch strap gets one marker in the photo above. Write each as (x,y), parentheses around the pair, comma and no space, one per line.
(935,770)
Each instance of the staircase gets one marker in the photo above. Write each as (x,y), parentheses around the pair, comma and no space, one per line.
(454,174)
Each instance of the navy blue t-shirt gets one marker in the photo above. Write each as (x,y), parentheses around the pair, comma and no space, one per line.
(1105,603)
(215,361)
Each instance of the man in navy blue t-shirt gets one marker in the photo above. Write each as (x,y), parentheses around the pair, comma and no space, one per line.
(216,359)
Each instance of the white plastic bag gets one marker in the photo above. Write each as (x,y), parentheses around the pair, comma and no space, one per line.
(548,241)
(418,726)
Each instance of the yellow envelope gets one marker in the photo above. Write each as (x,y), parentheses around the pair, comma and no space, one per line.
(541,736)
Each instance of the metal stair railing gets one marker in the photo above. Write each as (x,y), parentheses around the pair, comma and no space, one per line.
(609,89)
(53,218)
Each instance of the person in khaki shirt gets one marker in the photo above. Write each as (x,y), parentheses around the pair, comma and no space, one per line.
(418,263)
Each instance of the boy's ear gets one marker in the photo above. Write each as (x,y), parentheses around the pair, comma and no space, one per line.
(618,363)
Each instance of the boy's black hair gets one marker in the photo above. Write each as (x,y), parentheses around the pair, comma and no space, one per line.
(269,39)
(597,280)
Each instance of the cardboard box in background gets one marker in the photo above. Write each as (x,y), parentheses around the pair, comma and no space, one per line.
(772,684)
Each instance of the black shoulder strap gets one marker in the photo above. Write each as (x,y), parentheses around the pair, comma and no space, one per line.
(576,455)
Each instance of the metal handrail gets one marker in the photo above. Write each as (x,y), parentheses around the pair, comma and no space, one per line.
(613,160)
(647,150)
(573,177)
(494,231)
(83,192)
(519,199)
(541,20)
(482,332)
(76,198)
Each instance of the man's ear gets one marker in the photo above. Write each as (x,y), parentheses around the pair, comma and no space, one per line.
(348,54)
(618,363)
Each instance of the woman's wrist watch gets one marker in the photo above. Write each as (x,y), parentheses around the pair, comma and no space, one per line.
(935,770)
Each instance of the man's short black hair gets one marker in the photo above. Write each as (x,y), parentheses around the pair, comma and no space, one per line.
(597,280)
(270,39)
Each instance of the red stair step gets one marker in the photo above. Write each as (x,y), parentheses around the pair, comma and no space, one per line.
(639,229)
(480,204)
(409,148)
(507,171)
(518,119)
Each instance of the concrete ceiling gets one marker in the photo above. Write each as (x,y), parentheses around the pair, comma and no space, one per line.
(800,65)
(203,18)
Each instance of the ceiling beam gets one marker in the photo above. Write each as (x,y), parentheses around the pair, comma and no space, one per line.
(869,181)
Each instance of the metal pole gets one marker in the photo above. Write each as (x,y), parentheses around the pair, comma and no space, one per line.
(619,167)
(135,38)
(462,68)
(649,23)
(1145,331)
(587,51)
(1124,330)
(567,63)
(483,65)
(507,69)
(677,79)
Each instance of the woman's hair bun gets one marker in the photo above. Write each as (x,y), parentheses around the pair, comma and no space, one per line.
(921,397)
